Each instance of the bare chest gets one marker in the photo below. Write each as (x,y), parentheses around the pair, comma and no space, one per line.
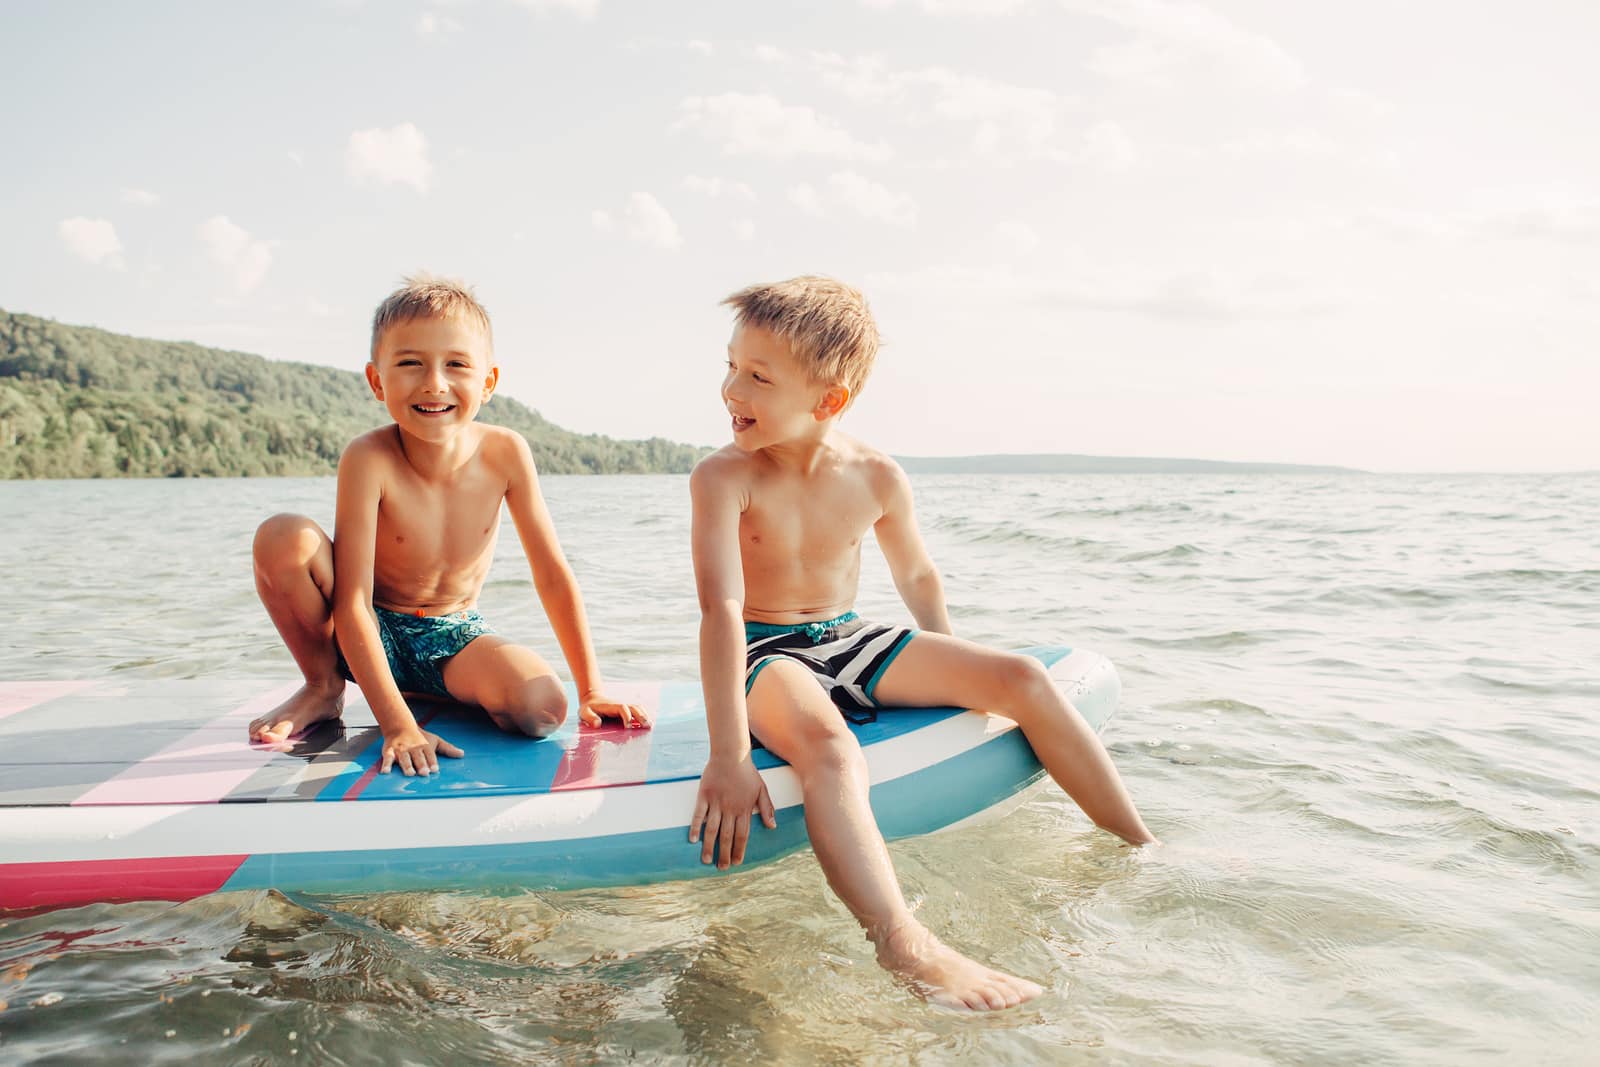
(423,527)
(794,525)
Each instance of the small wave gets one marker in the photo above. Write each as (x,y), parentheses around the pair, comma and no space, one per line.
(1176,552)
(1209,642)
(1586,581)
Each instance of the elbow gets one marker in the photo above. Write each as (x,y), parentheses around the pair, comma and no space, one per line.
(720,607)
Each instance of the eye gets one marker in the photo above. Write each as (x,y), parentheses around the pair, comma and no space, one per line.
(410,362)
(762,380)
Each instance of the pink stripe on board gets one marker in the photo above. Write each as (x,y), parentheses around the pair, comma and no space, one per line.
(20,696)
(143,784)
(73,882)
(610,754)
(372,772)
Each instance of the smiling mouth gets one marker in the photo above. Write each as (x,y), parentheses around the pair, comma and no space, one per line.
(742,423)
(433,409)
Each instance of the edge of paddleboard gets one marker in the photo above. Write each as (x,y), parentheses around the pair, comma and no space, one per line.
(945,774)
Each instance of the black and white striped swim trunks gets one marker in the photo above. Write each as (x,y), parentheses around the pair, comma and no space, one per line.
(847,655)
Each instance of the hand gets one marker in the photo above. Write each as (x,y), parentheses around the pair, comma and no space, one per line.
(730,792)
(596,706)
(416,751)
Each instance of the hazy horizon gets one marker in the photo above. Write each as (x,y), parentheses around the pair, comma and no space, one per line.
(1361,236)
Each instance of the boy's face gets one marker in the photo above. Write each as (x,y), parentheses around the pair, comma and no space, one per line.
(770,396)
(433,375)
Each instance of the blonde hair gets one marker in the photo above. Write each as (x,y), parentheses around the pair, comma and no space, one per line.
(428,296)
(826,323)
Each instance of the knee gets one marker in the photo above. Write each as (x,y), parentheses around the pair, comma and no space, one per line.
(537,709)
(1022,683)
(286,542)
(831,753)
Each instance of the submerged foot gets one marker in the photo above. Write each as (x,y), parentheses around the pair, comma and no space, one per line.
(944,976)
(309,705)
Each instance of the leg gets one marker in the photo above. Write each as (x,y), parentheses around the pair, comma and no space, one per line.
(935,669)
(294,578)
(517,688)
(794,718)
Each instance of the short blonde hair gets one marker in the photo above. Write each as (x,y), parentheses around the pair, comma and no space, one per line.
(428,296)
(826,323)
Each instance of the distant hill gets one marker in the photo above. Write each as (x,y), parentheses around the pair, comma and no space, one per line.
(1070,464)
(77,402)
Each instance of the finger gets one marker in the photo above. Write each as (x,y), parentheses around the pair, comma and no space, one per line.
(696,819)
(447,749)
(769,814)
(388,760)
(403,758)
(741,835)
(708,844)
(641,717)
(588,716)
(725,843)
(433,761)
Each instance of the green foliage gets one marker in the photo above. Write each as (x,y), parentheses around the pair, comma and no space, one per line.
(77,402)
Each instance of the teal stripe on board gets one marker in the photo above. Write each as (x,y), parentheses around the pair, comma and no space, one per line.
(914,804)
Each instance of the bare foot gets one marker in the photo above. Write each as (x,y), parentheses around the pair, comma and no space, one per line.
(944,976)
(309,705)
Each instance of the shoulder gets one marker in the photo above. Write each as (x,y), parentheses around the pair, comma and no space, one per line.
(501,445)
(724,472)
(878,469)
(370,450)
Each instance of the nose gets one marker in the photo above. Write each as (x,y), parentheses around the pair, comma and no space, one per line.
(730,391)
(434,381)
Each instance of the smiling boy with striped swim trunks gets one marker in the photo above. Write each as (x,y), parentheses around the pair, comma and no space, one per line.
(779,518)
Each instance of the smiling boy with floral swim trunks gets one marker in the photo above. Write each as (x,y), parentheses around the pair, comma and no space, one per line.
(390,601)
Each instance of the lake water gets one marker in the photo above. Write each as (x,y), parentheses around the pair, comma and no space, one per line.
(1361,711)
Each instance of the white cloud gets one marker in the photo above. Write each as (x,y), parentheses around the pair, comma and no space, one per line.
(1203,295)
(1007,120)
(762,125)
(1107,146)
(960,7)
(643,220)
(433,24)
(1174,32)
(745,229)
(804,197)
(230,246)
(705,48)
(858,195)
(717,187)
(297,158)
(92,240)
(1016,238)
(870,200)
(398,155)
(140,197)
(582,8)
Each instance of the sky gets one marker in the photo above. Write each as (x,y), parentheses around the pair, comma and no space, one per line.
(1364,234)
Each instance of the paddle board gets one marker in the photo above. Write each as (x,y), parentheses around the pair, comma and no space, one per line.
(118,791)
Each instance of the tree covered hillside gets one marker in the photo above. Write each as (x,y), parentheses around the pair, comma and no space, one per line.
(77,402)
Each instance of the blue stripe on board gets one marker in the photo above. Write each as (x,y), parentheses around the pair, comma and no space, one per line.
(917,803)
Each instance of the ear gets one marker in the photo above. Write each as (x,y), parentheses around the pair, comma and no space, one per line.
(834,400)
(490,380)
(373,381)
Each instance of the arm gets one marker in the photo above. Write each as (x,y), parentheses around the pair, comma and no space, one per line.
(730,787)
(915,576)
(355,624)
(558,592)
